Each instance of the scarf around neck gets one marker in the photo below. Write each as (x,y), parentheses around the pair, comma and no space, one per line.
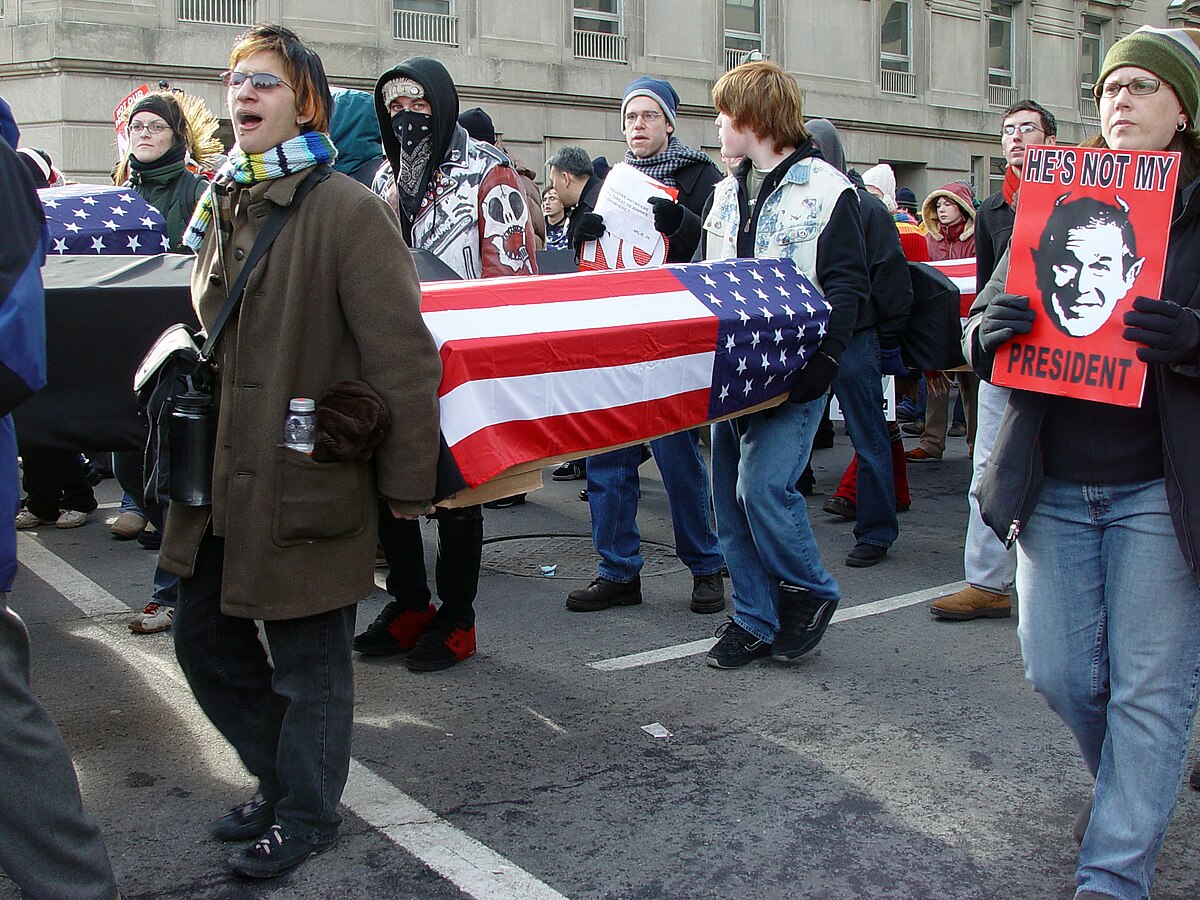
(662,166)
(294,155)
(1012,183)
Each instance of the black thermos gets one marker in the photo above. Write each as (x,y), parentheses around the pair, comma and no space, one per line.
(193,437)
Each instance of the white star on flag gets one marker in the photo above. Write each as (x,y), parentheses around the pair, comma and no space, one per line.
(714,299)
(761,295)
(51,203)
(730,343)
(805,291)
(783,356)
(90,201)
(134,243)
(724,392)
(766,313)
(60,246)
(109,223)
(80,214)
(754,274)
(770,378)
(809,308)
(738,297)
(753,339)
(117,210)
(98,243)
(821,329)
(733,277)
(783,292)
(741,366)
(749,387)
(777,274)
(778,336)
(708,280)
(166,243)
(73,228)
(126,198)
(791,314)
(148,222)
(766,362)
(742,315)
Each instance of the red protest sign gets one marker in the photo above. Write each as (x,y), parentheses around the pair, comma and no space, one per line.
(121,117)
(1090,236)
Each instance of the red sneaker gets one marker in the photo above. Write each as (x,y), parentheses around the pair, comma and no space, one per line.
(395,630)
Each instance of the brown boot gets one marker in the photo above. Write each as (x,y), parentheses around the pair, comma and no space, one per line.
(972,603)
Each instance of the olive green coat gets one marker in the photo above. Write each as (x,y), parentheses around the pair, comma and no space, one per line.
(336,297)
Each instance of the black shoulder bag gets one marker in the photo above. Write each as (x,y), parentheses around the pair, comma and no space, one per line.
(176,394)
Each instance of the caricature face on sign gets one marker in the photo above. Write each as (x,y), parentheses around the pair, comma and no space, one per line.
(504,226)
(1086,263)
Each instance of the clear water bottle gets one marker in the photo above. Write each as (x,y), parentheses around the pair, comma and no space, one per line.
(300,426)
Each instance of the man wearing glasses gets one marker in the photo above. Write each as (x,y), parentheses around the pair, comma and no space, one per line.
(648,113)
(990,568)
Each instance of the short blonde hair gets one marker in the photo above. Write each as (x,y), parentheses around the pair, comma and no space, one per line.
(303,70)
(762,97)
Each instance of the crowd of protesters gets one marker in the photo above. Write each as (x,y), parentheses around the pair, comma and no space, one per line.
(334,188)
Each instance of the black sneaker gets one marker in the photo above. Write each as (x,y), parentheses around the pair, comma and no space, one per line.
(242,823)
(274,853)
(802,622)
(569,471)
(396,629)
(736,647)
(446,642)
(602,593)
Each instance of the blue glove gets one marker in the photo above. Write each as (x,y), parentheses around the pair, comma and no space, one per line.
(1170,332)
(890,363)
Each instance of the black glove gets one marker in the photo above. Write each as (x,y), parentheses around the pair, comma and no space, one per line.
(668,215)
(890,363)
(815,378)
(590,228)
(1005,316)
(1170,332)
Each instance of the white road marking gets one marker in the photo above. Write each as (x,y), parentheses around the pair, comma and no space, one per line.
(692,648)
(474,868)
(549,723)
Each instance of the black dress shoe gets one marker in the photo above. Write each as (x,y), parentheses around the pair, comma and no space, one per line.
(864,555)
(602,593)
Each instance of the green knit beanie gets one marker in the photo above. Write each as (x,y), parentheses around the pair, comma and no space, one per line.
(1172,54)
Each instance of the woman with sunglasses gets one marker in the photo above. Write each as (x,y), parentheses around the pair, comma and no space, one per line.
(1104,504)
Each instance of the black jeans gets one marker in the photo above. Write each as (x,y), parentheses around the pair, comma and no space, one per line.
(459,552)
(291,724)
(55,480)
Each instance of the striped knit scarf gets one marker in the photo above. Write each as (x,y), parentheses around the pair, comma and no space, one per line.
(295,155)
(663,165)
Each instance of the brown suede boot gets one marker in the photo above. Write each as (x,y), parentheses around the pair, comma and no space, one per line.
(972,603)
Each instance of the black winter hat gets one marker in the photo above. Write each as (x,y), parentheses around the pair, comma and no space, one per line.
(478,124)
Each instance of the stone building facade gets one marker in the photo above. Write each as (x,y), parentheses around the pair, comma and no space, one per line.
(917,83)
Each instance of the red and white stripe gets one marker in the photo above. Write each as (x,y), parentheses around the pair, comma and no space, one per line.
(962,273)
(554,365)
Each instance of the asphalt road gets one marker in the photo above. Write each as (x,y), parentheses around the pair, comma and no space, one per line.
(905,758)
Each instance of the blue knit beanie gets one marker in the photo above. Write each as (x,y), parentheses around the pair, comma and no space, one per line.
(657,90)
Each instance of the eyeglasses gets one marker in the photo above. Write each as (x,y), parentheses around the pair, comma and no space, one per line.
(1023,128)
(150,128)
(1138,87)
(260,81)
(649,117)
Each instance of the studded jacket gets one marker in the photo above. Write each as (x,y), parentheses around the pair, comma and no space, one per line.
(475,219)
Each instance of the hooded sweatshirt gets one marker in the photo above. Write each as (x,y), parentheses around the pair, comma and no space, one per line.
(457,198)
(957,242)
(354,130)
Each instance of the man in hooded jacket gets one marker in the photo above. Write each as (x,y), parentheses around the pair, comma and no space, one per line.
(461,200)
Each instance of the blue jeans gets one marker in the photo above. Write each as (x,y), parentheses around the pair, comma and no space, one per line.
(761,517)
(289,722)
(613,497)
(859,390)
(1110,633)
(127,466)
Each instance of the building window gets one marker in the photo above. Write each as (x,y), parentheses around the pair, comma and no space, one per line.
(895,49)
(599,31)
(743,30)
(425,21)
(999,167)
(1001,88)
(218,12)
(1091,57)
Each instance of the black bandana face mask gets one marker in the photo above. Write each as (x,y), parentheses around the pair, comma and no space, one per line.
(414,131)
